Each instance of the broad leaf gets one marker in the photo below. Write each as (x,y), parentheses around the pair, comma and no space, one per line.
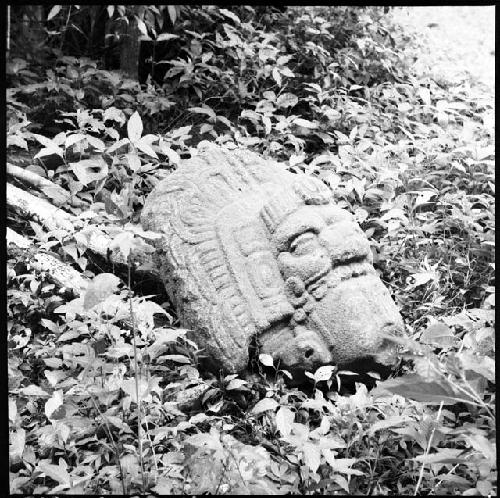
(101,287)
(235,384)
(264,405)
(324,373)
(124,242)
(443,455)
(54,11)
(305,123)
(166,37)
(284,420)
(33,390)
(57,472)
(312,456)
(438,334)
(231,15)
(90,170)
(417,388)
(134,127)
(266,359)
(53,403)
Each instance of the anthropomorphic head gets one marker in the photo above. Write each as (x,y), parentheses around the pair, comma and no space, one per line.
(252,253)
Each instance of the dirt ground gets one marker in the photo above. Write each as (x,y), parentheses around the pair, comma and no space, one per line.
(459,40)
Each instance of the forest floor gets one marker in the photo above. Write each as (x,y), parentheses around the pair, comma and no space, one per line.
(105,394)
(456,41)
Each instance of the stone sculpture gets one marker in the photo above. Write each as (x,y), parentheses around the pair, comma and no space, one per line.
(252,253)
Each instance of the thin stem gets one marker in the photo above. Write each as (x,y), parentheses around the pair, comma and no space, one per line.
(136,376)
(112,440)
(65,29)
(421,475)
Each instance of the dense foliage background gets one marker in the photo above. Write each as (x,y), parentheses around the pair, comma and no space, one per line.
(103,402)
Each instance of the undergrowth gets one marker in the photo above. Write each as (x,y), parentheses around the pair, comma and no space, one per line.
(96,400)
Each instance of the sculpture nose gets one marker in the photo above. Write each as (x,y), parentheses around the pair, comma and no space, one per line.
(315,353)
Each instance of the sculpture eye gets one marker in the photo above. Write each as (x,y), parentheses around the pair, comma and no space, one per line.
(303,243)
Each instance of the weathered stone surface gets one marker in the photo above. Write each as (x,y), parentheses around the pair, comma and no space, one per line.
(251,250)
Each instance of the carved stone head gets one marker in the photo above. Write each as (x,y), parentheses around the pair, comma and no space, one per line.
(252,252)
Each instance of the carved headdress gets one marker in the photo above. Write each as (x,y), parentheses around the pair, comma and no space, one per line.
(217,212)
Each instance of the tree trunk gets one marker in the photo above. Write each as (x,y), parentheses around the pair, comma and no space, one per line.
(96,42)
(129,48)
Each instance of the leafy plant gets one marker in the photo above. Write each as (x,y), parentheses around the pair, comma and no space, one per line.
(105,393)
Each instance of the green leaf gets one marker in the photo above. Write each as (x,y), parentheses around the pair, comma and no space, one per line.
(49,151)
(54,11)
(443,455)
(483,365)
(134,127)
(12,410)
(124,242)
(145,387)
(146,310)
(484,446)
(266,359)
(33,390)
(118,144)
(53,403)
(46,142)
(264,405)
(17,442)
(324,373)
(422,278)
(18,141)
(166,37)
(267,53)
(164,485)
(235,384)
(172,13)
(55,376)
(388,423)
(425,95)
(231,15)
(57,472)
(99,289)
(438,334)
(287,100)
(96,143)
(284,420)
(178,358)
(277,76)
(286,71)
(90,170)
(417,388)
(142,28)
(144,145)
(341,465)
(134,161)
(203,110)
(404,107)
(305,123)
(312,456)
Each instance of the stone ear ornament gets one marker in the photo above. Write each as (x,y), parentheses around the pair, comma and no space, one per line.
(252,252)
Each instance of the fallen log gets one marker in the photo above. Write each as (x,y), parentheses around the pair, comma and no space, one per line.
(56,193)
(48,215)
(60,273)
(55,218)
